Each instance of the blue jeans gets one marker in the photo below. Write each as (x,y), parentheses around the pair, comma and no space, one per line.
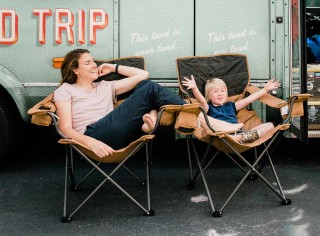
(123,125)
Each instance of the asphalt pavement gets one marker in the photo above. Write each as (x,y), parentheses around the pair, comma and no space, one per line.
(32,184)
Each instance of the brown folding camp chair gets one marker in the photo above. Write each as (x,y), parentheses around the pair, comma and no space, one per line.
(233,69)
(43,114)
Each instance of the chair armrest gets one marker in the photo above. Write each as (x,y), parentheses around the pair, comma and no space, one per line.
(187,118)
(294,106)
(277,102)
(300,97)
(39,112)
(43,106)
(267,99)
(166,115)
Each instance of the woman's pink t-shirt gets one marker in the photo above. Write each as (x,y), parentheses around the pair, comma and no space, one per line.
(87,106)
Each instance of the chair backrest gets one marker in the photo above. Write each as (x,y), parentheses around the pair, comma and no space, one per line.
(231,68)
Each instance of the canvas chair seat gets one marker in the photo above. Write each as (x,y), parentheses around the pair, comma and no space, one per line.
(43,113)
(249,118)
(233,69)
(118,156)
(185,120)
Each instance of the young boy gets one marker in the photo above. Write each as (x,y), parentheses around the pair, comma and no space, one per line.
(216,105)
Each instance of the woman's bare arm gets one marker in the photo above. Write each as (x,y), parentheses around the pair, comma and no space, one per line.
(134,76)
(65,125)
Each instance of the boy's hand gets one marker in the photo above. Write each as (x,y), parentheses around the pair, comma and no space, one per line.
(189,83)
(272,84)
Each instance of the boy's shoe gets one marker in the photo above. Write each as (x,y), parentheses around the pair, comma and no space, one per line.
(250,136)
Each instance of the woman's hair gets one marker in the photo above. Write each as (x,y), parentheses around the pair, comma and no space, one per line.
(70,63)
(213,83)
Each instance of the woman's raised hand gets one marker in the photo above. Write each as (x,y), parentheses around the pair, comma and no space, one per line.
(106,68)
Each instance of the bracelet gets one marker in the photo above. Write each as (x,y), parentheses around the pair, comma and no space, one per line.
(116,70)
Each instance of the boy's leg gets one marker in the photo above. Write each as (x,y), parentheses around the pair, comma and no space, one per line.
(219,125)
(264,128)
(257,132)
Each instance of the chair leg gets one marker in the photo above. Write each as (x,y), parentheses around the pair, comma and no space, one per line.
(275,142)
(148,168)
(98,164)
(65,217)
(143,183)
(285,201)
(68,218)
(193,178)
(276,139)
(191,184)
(189,156)
(234,191)
(252,168)
(261,164)
(73,186)
(235,162)
(87,175)
(214,212)
(149,147)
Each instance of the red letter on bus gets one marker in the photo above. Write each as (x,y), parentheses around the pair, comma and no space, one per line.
(60,25)
(12,17)
(42,13)
(94,24)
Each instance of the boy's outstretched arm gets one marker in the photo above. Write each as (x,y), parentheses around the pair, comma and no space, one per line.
(271,85)
(191,84)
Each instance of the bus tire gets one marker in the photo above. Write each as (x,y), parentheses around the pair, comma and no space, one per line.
(10,129)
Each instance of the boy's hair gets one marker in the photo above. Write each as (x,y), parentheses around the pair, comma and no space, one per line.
(211,83)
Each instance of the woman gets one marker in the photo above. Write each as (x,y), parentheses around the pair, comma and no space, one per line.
(85,107)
